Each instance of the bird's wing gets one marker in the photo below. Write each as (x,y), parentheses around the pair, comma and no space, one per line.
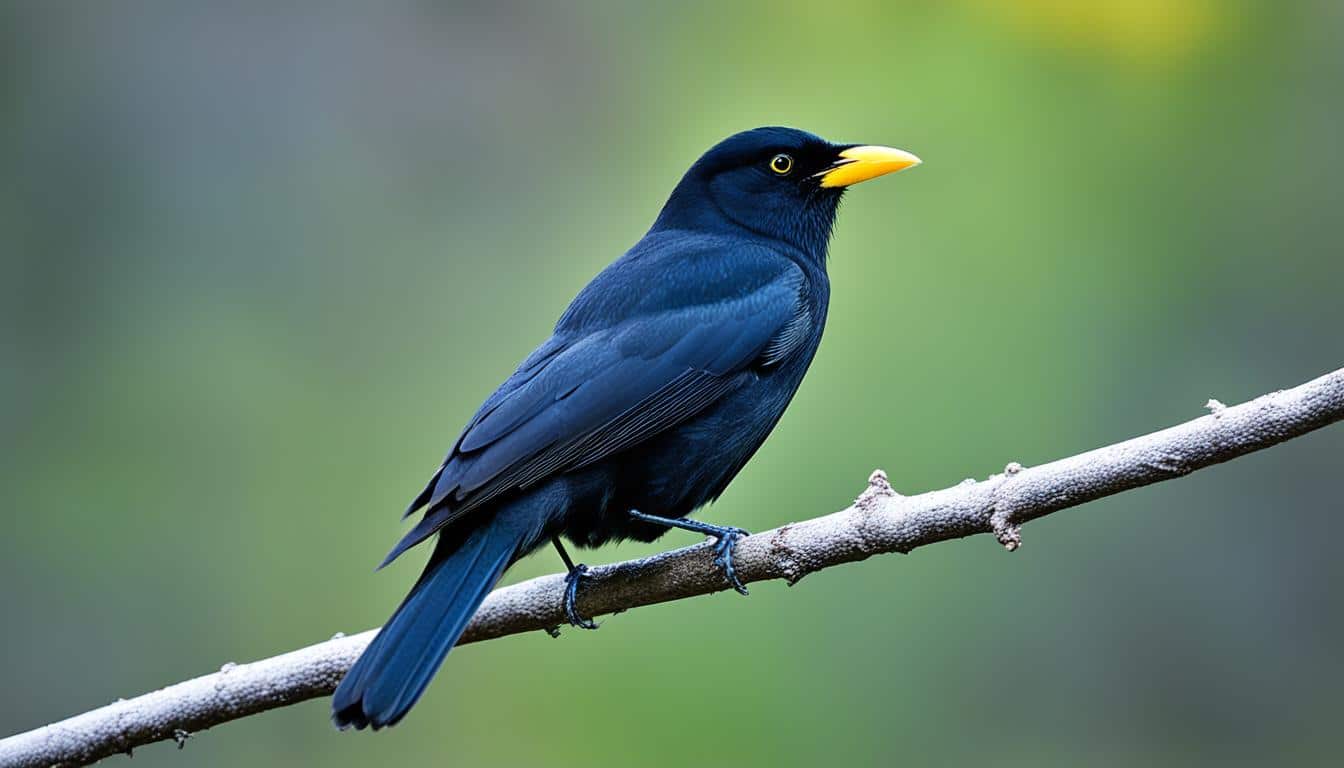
(577,400)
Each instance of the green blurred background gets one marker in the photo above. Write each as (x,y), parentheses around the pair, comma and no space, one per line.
(260,265)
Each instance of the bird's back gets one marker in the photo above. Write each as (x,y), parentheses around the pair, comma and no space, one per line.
(687,338)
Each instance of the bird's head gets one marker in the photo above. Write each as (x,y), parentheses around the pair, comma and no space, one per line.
(780,183)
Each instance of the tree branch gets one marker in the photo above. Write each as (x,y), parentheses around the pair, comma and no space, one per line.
(881,520)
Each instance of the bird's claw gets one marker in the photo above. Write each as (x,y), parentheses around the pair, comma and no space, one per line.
(572,580)
(726,541)
(723,556)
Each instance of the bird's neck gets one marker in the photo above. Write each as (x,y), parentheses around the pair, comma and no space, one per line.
(806,232)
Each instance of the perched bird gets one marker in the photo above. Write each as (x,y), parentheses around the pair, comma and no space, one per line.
(660,381)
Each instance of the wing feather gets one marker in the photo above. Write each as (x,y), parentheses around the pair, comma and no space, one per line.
(584,396)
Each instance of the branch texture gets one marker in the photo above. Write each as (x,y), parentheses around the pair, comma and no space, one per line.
(879,521)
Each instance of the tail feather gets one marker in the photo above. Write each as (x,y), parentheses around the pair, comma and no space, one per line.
(397,666)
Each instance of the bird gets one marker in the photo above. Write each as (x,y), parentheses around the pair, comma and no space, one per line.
(658,383)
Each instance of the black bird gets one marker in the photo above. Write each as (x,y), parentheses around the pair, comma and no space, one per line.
(660,381)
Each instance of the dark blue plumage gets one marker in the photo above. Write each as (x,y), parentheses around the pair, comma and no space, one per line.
(659,382)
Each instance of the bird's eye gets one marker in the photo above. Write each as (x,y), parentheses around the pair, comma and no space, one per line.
(781,164)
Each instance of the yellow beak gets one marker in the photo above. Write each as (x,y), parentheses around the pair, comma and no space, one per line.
(858,164)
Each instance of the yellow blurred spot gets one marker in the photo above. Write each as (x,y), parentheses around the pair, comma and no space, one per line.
(1155,32)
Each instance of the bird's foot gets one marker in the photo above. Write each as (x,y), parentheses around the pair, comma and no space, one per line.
(724,546)
(576,576)
(723,556)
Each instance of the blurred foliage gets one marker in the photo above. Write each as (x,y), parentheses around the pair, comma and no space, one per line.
(260,265)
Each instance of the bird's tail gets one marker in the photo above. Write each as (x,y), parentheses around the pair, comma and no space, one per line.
(397,666)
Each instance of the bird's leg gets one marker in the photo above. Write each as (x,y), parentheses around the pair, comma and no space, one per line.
(723,548)
(576,574)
